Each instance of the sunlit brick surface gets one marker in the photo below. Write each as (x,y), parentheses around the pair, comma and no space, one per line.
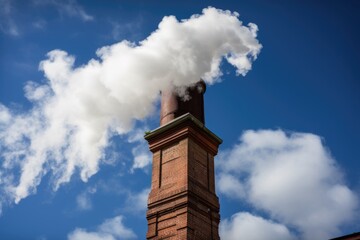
(182,203)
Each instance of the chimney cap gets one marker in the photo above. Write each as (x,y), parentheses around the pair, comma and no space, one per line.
(173,106)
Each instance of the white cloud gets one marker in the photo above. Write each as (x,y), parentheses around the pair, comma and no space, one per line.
(41,238)
(67,7)
(136,135)
(293,178)
(8,11)
(5,115)
(141,154)
(7,22)
(131,29)
(137,202)
(111,229)
(243,225)
(78,110)
(230,186)
(39,24)
(83,200)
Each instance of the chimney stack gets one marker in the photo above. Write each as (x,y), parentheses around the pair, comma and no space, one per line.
(182,203)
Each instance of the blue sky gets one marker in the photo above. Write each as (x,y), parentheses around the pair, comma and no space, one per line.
(290,128)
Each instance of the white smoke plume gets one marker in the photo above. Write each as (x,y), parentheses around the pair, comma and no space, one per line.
(77,111)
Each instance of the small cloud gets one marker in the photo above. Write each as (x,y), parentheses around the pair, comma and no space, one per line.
(230,186)
(110,229)
(252,227)
(70,8)
(7,23)
(12,30)
(34,92)
(136,135)
(142,157)
(41,238)
(83,200)
(131,29)
(138,201)
(5,115)
(40,24)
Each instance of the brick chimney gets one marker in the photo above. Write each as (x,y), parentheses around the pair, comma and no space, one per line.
(182,203)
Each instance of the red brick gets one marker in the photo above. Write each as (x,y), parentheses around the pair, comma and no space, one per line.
(182,203)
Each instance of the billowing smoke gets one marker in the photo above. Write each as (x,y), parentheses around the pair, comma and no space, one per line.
(77,111)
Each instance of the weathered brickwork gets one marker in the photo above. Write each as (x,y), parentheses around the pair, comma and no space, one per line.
(182,203)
